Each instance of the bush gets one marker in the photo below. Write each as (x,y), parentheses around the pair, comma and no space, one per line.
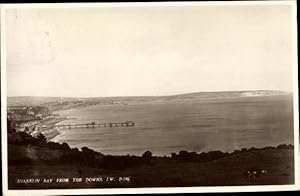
(147,155)
(65,147)
(173,155)
(53,145)
(41,139)
(88,152)
(282,146)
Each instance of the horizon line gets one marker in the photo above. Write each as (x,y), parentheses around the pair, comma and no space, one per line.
(177,94)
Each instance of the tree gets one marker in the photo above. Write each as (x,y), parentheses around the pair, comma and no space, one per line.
(41,139)
(147,155)
(65,147)
(183,154)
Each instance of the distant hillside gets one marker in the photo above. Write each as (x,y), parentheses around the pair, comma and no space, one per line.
(27,100)
(231,94)
(262,93)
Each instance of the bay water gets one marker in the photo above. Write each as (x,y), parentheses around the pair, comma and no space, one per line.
(163,127)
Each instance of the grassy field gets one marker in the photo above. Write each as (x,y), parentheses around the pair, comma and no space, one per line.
(166,172)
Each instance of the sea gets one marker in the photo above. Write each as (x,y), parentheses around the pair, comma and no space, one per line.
(167,126)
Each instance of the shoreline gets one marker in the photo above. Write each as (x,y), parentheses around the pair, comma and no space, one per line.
(50,131)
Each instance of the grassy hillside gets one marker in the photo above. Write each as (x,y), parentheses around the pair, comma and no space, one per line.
(36,158)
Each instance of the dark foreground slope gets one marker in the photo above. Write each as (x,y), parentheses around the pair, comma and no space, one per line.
(34,158)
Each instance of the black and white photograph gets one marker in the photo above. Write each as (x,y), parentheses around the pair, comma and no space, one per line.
(126,97)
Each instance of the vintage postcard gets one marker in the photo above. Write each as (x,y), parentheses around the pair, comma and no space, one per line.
(113,98)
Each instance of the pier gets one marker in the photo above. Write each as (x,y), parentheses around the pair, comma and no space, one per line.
(96,125)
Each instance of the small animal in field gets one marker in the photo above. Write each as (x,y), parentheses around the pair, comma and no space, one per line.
(254,173)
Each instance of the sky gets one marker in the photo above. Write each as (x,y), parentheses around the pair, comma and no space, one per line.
(148,51)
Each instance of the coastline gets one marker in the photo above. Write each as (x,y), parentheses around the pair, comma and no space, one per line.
(55,117)
(51,131)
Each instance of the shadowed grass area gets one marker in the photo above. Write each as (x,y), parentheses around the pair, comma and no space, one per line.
(31,157)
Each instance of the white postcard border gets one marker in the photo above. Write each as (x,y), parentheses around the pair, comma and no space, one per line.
(146,190)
